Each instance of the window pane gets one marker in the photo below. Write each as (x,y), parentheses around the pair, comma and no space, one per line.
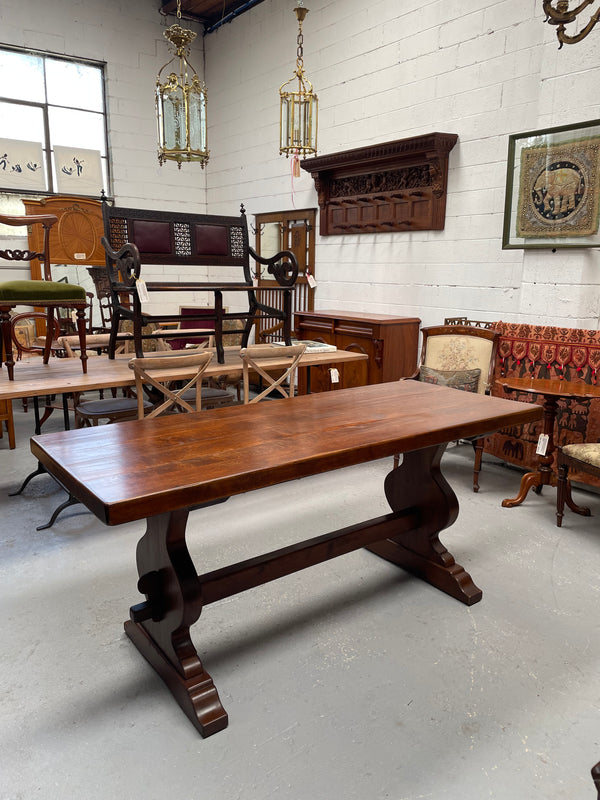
(21,76)
(75,85)
(21,122)
(77,129)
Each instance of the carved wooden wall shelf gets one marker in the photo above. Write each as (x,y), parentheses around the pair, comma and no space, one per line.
(394,186)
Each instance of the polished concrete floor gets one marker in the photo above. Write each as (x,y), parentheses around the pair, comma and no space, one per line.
(349,680)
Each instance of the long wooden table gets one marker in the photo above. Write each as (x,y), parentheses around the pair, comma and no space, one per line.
(161,468)
(64,375)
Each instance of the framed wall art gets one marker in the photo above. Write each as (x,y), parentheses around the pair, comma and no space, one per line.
(22,166)
(553,188)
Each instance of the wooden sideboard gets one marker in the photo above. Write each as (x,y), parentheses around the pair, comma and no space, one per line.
(389,342)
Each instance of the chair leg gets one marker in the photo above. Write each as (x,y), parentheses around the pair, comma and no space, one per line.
(81,330)
(478,447)
(7,342)
(561,492)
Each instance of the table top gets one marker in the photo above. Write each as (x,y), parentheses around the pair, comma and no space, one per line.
(550,387)
(64,375)
(137,469)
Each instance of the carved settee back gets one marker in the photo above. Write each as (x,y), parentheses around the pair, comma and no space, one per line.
(571,354)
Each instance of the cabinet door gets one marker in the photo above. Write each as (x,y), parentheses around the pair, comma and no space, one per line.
(356,373)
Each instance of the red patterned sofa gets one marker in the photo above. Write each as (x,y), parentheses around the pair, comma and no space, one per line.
(572,354)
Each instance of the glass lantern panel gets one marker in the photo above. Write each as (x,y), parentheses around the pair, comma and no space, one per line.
(285,137)
(173,116)
(197,110)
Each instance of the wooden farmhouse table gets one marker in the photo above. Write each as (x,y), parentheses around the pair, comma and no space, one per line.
(64,375)
(161,468)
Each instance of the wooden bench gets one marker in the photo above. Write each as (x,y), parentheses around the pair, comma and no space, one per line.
(137,237)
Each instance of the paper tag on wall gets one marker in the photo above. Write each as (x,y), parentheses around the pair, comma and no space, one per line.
(142,290)
(542,444)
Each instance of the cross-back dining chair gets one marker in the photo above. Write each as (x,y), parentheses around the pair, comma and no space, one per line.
(43,293)
(175,397)
(461,357)
(283,381)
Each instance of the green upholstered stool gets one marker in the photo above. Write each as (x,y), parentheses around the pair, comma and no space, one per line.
(580,457)
(44,293)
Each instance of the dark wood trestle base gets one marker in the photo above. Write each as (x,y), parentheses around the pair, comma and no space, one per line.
(422,503)
(161,468)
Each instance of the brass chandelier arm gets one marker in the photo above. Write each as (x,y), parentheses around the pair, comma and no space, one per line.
(561,16)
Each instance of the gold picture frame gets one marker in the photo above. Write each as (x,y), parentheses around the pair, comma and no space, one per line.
(553,188)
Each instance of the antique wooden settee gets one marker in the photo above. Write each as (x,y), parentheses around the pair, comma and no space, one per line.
(572,354)
(184,244)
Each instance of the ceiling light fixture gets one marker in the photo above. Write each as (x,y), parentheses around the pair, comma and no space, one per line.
(298,106)
(559,14)
(181,104)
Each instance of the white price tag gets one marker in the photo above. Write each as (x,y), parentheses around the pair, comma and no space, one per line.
(542,444)
(311,281)
(142,291)
(335,375)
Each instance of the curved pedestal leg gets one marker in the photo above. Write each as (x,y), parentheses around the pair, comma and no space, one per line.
(160,627)
(528,481)
(596,777)
(418,483)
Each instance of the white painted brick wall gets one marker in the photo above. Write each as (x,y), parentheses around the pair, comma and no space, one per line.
(383,71)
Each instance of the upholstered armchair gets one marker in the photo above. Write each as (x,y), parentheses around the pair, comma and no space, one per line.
(461,357)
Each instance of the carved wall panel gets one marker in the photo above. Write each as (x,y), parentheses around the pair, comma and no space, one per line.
(395,186)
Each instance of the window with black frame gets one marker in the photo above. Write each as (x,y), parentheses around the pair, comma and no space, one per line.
(53,133)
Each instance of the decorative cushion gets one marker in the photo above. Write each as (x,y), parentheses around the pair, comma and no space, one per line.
(588,453)
(111,405)
(466,380)
(29,291)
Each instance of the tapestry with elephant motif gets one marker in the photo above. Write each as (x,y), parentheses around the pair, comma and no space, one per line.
(559,191)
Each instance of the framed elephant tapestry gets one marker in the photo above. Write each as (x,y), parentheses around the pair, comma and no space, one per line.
(553,188)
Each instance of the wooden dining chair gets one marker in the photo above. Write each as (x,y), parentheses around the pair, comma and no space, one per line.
(173,396)
(44,293)
(579,458)
(283,381)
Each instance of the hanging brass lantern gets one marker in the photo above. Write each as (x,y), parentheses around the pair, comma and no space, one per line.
(298,105)
(181,104)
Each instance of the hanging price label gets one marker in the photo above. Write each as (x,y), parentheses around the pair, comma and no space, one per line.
(335,375)
(142,290)
(542,444)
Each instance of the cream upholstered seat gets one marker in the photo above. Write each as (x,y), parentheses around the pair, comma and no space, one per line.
(462,357)
(582,458)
